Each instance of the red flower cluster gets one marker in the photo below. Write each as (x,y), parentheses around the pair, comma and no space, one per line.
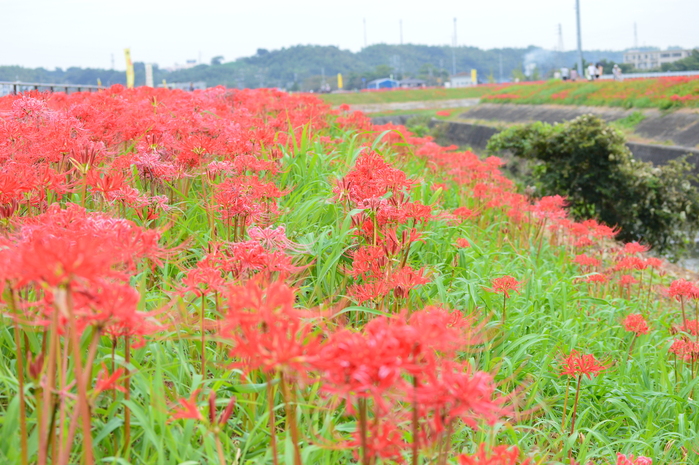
(498,455)
(504,285)
(636,323)
(577,364)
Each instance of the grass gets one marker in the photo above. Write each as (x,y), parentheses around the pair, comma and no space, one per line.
(406,95)
(642,403)
(664,93)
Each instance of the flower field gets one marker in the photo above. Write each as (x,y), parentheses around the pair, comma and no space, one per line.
(664,93)
(249,277)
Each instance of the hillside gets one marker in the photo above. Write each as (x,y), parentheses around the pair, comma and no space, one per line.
(301,67)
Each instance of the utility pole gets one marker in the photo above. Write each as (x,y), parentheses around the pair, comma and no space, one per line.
(401,32)
(501,67)
(580,56)
(364,32)
(635,36)
(560,38)
(453,52)
(112,62)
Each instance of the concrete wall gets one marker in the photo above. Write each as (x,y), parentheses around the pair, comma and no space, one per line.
(476,136)
(680,127)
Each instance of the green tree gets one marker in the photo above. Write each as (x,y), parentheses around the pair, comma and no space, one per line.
(690,63)
(587,161)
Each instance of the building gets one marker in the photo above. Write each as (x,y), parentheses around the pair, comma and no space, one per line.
(385,83)
(411,83)
(654,59)
(461,80)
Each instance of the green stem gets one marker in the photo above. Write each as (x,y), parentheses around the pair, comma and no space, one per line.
(203,340)
(127,395)
(575,405)
(20,378)
(83,406)
(291,418)
(362,430)
(272,422)
(415,423)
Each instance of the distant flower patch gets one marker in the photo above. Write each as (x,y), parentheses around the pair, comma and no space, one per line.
(502,97)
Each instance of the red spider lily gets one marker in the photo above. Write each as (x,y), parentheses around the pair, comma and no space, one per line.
(685,349)
(584,260)
(690,326)
(444,113)
(498,455)
(369,364)
(372,177)
(464,213)
(438,330)
(627,280)
(682,289)
(451,391)
(634,248)
(462,243)
(406,279)
(597,278)
(107,382)
(368,261)
(188,408)
(63,246)
(267,332)
(631,263)
(655,263)
(581,365)
(225,415)
(550,207)
(636,323)
(382,439)
(622,459)
(370,291)
(504,285)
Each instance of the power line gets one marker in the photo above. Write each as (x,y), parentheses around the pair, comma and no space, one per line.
(453,52)
(365,32)
(560,38)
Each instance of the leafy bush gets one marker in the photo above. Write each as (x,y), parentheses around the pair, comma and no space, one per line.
(587,161)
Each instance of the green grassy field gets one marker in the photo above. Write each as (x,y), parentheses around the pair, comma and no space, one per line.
(406,95)
(246,278)
(664,93)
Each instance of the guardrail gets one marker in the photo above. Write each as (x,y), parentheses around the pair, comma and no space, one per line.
(651,75)
(19,86)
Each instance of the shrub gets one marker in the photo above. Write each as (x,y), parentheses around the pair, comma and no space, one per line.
(587,161)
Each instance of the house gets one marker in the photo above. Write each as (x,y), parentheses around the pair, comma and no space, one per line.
(461,80)
(654,59)
(385,83)
(411,83)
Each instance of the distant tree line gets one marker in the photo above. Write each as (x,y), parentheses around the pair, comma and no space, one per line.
(308,67)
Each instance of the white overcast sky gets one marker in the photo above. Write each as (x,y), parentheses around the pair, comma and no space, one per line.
(86,33)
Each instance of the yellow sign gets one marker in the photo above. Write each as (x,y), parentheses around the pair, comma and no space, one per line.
(339,81)
(474,77)
(129,69)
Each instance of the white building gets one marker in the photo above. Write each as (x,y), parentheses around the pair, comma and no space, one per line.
(461,80)
(651,60)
